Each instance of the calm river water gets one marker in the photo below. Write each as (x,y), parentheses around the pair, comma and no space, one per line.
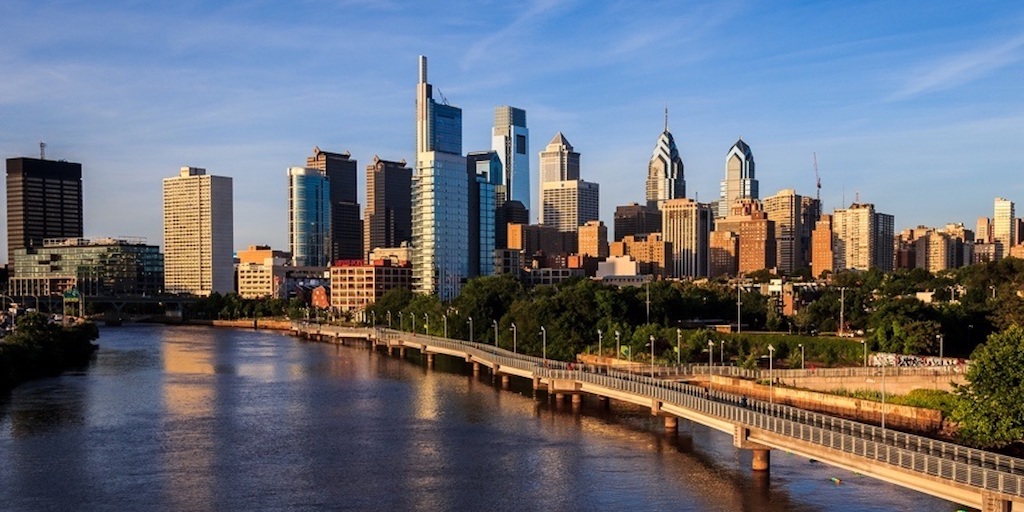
(201,419)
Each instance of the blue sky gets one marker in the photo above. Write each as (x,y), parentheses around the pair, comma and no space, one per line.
(916,106)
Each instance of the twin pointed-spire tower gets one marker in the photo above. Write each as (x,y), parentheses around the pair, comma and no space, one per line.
(665,178)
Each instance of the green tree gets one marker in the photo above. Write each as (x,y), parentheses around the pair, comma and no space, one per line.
(990,407)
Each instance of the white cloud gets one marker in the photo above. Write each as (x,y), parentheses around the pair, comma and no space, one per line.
(962,68)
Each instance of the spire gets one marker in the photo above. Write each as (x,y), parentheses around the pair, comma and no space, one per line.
(666,117)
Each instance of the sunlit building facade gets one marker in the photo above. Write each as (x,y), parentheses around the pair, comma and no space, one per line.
(309,217)
(198,233)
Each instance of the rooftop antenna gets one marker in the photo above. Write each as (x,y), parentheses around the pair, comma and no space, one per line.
(666,117)
(42,150)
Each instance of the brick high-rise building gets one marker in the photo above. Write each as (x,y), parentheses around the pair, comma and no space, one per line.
(822,255)
(592,239)
(636,219)
(686,224)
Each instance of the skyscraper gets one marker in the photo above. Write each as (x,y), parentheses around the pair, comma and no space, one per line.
(1004,227)
(822,255)
(198,233)
(636,219)
(567,205)
(558,162)
(665,178)
(388,216)
(309,217)
(44,200)
(485,174)
(686,224)
(739,182)
(511,141)
(784,209)
(440,227)
(346,232)
(862,238)
(592,239)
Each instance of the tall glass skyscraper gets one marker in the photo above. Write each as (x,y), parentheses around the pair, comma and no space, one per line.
(440,198)
(665,178)
(485,169)
(739,182)
(309,217)
(511,141)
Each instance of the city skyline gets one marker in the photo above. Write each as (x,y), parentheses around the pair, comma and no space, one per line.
(888,96)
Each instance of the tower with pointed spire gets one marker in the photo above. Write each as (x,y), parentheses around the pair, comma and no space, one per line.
(665,178)
(739,182)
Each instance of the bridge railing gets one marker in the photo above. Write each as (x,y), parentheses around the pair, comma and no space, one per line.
(936,458)
(953,462)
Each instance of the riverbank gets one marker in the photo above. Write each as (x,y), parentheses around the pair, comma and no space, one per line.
(39,349)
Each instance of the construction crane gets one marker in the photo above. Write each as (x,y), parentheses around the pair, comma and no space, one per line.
(817,177)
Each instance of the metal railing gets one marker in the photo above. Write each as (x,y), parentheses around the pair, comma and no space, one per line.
(968,466)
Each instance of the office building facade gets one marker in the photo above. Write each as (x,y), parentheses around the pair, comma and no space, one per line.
(346,230)
(309,217)
(1004,227)
(198,233)
(484,170)
(558,162)
(686,224)
(510,139)
(567,205)
(740,181)
(103,266)
(665,176)
(44,201)
(440,227)
(388,217)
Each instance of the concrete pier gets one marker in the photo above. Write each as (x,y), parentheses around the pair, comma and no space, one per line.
(505,381)
(762,459)
(671,424)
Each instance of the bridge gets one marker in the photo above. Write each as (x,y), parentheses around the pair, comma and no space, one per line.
(976,478)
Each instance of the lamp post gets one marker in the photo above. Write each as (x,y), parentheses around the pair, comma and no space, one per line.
(865,343)
(444,317)
(373,314)
(679,346)
(471,329)
(426,323)
(711,354)
(652,355)
(495,322)
(721,352)
(940,337)
(389,319)
(771,377)
(600,335)
(739,306)
(514,335)
(618,349)
(401,322)
(413,316)
(801,356)
(544,336)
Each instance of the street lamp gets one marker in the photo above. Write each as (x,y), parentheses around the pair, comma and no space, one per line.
(389,319)
(618,349)
(471,329)
(679,346)
(426,323)
(801,356)
(544,335)
(771,377)
(600,335)
(940,337)
(495,322)
(444,316)
(865,343)
(711,354)
(739,306)
(373,314)
(652,355)
(401,322)
(514,335)
(413,316)
(721,352)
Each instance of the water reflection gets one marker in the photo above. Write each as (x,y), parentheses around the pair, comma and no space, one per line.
(202,419)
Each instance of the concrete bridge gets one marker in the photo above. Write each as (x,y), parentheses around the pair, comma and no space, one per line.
(971,477)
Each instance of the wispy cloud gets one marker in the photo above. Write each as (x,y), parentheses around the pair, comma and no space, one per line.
(960,69)
(482,49)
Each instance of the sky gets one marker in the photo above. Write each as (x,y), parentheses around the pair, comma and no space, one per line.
(914,106)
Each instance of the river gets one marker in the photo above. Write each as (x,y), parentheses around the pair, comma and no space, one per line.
(203,419)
